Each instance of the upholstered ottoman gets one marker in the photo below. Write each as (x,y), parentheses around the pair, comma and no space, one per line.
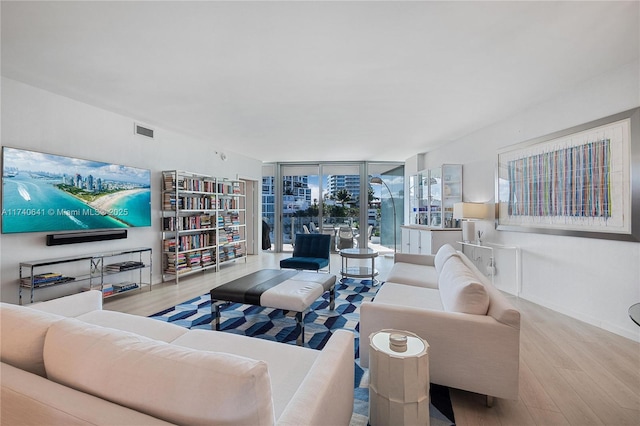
(290,291)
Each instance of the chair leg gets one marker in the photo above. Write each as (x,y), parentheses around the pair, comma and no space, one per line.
(300,326)
(332,298)
(215,311)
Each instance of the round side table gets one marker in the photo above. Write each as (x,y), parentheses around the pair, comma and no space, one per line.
(358,271)
(398,381)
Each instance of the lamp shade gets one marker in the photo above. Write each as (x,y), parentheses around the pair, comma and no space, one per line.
(469,211)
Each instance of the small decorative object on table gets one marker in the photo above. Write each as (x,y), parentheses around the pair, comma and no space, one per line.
(398,342)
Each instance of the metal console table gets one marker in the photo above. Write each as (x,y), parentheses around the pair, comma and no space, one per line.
(490,268)
(94,270)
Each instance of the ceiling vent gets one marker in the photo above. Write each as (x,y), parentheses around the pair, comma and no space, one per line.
(143,131)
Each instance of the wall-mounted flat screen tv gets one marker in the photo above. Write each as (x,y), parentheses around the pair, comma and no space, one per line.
(45,192)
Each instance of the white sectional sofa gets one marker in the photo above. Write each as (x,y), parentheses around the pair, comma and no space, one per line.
(472,329)
(67,361)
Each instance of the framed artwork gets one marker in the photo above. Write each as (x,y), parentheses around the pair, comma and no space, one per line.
(583,181)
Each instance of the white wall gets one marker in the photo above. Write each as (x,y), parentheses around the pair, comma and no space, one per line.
(42,121)
(589,279)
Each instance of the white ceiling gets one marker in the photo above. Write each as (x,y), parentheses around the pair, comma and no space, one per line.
(289,81)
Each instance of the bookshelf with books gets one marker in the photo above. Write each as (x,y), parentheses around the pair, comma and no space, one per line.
(231,221)
(106,272)
(203,223)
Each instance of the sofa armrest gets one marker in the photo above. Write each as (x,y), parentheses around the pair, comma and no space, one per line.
(470,352)
(417,259)
(73,305)
(325,397)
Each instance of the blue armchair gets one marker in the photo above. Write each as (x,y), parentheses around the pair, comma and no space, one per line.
(311,252)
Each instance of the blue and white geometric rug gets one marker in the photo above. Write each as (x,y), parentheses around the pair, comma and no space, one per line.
(273,324)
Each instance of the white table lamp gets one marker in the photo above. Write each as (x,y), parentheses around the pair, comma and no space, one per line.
(469,213)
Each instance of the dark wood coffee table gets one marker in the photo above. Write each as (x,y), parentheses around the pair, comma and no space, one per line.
(291,291)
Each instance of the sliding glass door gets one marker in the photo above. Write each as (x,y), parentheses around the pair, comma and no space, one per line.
(341,188)
(335,198)
(387,203)
(300,195)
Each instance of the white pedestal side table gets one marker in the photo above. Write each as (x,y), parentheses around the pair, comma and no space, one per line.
(398,381)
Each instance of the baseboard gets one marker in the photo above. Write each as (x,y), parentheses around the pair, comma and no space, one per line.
(596,322)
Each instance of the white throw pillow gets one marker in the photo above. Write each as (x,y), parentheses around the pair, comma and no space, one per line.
(460,290)
(23,331)
(173,383)
(444,253)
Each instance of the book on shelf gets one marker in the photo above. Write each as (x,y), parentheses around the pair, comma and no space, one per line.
(175,263)
(124,266)
(195,260)
(43,280)
(227,204)
(205,221)
(46,277)
(124,286)
(107,289)
(169,224)
(169,182)
(169,202)
(208,257)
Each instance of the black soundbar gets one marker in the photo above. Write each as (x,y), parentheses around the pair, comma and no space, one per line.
(85,237)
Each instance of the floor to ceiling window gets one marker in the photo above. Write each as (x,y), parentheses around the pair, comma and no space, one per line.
(299,200)
(387,205)
(268,205)
(336,198)
(341,203)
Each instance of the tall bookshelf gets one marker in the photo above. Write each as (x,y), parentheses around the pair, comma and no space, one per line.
(203,223)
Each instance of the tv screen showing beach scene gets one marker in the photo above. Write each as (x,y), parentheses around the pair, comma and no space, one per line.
(45,192)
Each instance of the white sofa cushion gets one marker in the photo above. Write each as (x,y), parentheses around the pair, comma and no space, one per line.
(499,307)
(288,364)
(460,290)
(166,381)
(157,330)
(444,253)
(413,275)
(72,305)
(23,332)
(406,295)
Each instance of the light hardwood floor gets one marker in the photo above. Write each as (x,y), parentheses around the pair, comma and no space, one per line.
(571,373)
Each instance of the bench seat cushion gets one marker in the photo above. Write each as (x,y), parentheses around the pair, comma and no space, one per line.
(313,263)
